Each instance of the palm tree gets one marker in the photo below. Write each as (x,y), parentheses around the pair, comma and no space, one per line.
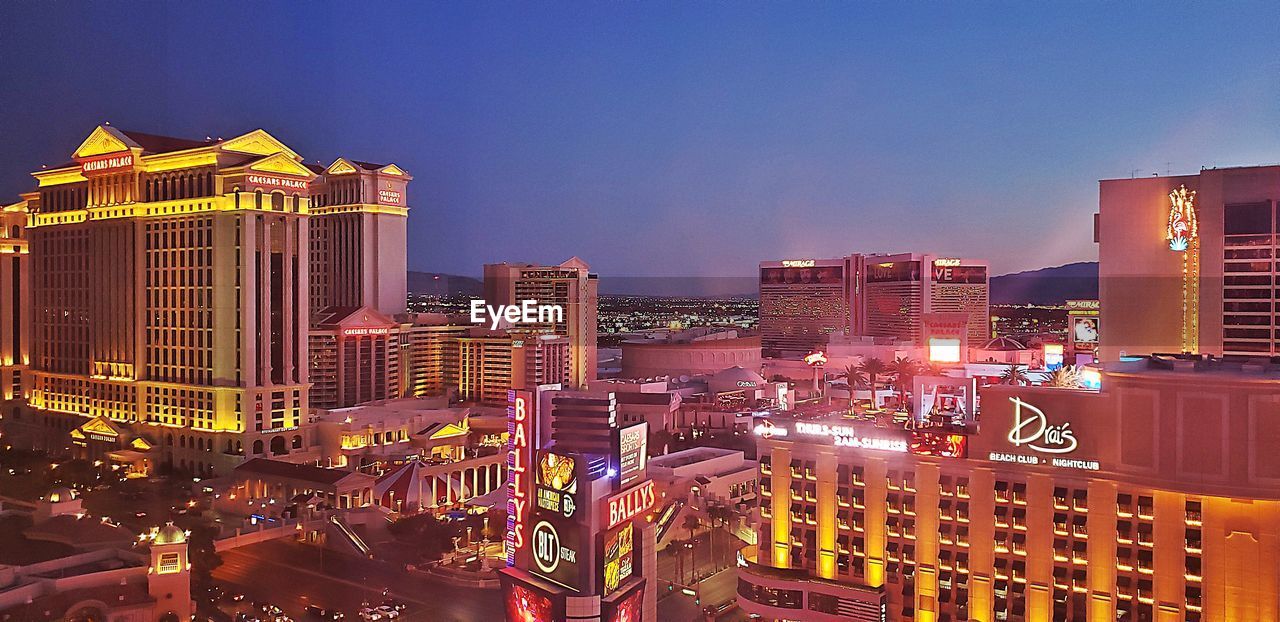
(1015,374)
(873,368)
(675,549)
(854,378)
(904,371)
(719,516)
(692,523)
(659,440)
(1066,376)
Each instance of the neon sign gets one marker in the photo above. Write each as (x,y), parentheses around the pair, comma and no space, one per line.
(279,182)
(626,505)
(390,197)
(1056,439)
(365,331)
(517,459)
(110,162)
(946,261)
(798,263)
(814,359)
(847,436)
(1182,219)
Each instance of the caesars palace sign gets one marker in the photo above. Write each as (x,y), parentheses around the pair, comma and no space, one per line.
(1031,430)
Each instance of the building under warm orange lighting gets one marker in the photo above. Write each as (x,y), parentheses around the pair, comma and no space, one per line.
(1152,499)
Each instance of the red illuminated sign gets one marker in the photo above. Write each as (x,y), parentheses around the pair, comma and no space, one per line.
(630,503)
(278,182)
(108,162)
(365,331)
(519,428)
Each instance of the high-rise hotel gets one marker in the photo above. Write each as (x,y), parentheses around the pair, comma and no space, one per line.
(804,301)
(15,292)
(1190,262)
(1155,498)
(169,299)
(572,286)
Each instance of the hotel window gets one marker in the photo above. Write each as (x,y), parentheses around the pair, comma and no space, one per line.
(1124,504)
(1080,500)
(891,480)
(1002,491)
(1247,219)
(1146,507)
(1060,498)
(962,487)
(857,476)
(169,563)
(1194,541)
(1144,534)
(1194,516)
(1020,493)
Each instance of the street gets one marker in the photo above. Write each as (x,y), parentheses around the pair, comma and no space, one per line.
(289,575)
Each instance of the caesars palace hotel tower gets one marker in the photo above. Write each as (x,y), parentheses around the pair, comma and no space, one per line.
(169,300)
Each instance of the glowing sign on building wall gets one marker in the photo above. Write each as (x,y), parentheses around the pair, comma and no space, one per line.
(1184,238)
(519,428)
(944,350)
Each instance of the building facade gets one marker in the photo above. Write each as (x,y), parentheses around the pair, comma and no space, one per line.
(355,358)
(15,295)
(358,238)
(1152,499)
(169,292)
(804,302)
(569,285)
(1188,263)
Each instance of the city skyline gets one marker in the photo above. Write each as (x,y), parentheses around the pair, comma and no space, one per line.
(725,135)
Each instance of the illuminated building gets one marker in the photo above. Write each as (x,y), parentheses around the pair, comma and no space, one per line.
(1187,263)
(354,357)
(430,352)
(151,581)
(804,302)
(15,294)
(581,544)
(1082,330)
(358,242)
(1153,498)
(169,296)
(901,290)
(570,285)
(490,363)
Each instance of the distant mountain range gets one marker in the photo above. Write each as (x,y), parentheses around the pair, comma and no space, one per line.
(1046,286)
(437,284)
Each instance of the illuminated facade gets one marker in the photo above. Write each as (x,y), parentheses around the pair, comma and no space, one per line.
(570,285)
(358,238)
(169,293)
(354,357)
(1205,245)
(429,352)
(581,543)
(489,364)
(805,301)
(15,294)
(1153,499)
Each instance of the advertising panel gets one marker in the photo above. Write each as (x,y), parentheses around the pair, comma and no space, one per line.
(822,275)
(1084,330)
(519,462)
(629,503)
(618,551)
(557,484)
(959,274)
(632,453)
(557,551)
(626,609)
(525,603)
(893,271)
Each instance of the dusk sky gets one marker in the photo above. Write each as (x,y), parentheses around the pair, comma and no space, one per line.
(692,138)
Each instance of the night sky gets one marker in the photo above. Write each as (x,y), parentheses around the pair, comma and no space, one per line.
(693,138)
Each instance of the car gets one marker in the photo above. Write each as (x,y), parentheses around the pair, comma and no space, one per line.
(320,613)
(387,612)
(370,615)
(394,604)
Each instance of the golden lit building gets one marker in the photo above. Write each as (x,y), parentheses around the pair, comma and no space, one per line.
(491,363)
(15,293)
(1152,499)
(355,357)
(569,285)
(429,349)
(170,296)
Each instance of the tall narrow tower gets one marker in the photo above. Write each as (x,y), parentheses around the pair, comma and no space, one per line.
(570,285)
(169,576)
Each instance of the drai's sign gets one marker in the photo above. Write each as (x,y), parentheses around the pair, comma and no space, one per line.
(527,312)
(1034,431)
(1031,430)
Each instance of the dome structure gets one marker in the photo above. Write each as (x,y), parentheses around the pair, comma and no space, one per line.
(61,495)
(170,534)
(1003,344)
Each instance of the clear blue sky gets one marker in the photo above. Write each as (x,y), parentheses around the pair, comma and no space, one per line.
(691,138)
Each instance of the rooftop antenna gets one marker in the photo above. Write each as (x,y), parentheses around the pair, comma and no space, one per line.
(1168,168)
(1134,173)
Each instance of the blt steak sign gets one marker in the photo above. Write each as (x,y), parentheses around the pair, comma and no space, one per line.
(630,503)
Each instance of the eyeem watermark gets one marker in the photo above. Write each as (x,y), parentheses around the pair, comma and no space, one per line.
(527,312)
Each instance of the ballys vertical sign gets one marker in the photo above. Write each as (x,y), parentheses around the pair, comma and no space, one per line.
(519,428)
